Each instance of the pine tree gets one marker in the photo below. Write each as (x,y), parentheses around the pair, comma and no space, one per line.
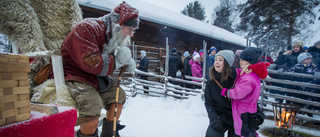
(276,22)
(223,13)
(194,10)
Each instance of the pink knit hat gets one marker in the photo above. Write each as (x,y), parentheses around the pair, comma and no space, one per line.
(201,54)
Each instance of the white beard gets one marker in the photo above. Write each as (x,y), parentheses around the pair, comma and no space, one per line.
(117,40)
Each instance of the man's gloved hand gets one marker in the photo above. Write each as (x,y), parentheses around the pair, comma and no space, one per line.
(217,125)
(122,55)
(131,66)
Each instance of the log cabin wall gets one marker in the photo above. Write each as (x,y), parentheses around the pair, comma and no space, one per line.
(154,35)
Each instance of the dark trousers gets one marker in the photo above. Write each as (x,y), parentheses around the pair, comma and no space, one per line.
(216,133)
(144,77)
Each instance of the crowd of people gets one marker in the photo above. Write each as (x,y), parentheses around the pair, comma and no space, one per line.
(228,67)
(298,59)
(97,46)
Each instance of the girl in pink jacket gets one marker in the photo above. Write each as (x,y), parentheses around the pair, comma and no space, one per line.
(246,91)
(196,68)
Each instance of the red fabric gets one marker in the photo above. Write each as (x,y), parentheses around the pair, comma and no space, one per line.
(260,69)
(269,59)
(57,125)
(85,39)
(126,12)
(111,65)
(30,60)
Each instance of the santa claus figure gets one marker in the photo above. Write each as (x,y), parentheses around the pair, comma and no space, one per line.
(91,51)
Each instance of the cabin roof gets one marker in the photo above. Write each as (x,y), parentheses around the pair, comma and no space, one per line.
(170,18)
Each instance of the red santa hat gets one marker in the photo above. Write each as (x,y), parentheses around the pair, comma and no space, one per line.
(260,69)
(128,15)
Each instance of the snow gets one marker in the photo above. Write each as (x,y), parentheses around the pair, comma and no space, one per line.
(161,15)
(147,116)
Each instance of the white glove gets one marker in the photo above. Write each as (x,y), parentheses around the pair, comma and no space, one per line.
(131,66)
(122,55)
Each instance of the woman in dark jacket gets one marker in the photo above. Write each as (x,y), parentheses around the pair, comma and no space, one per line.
(218,107)
(143,66)
(289,58)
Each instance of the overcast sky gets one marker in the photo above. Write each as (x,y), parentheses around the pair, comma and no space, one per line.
(178,5)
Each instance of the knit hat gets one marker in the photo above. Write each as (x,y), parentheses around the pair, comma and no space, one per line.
(128,15)
(251,54)
(304,56)
(186,53)
(174,50)
(316,43)
(238,52)
(212,48)
(228,55)
(299,43)
(313,49)
(201,53)
(201,50)
(196,55)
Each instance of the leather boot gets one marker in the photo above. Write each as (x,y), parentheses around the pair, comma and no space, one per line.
(107,129)
(95,134)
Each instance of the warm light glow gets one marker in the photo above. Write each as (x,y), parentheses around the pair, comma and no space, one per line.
(285,120)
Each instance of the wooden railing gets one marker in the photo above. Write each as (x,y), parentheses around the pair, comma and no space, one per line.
(282,89)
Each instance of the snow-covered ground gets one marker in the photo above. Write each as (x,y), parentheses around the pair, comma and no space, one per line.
(147,116)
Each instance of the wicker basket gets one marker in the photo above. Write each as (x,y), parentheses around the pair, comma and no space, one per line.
(14,88)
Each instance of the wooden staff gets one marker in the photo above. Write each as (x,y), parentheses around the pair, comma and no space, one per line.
(123,69)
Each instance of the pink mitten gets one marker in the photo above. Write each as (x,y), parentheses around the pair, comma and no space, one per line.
(223,92)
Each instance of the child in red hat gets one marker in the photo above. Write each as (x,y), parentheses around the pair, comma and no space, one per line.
(246,91)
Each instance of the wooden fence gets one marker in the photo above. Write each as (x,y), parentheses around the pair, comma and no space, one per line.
(282,88)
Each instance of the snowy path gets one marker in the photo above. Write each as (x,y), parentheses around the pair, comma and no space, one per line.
(146,116)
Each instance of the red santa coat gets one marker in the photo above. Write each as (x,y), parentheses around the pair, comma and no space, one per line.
(82,54)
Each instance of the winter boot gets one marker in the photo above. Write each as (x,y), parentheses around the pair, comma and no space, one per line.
(95,134)
(119,126)
(107,129)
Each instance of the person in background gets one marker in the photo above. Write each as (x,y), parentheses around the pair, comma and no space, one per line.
(246,92)
(317,44)
(90,53)
(143,66)
(305,65)
(201,55)
(187,68)
(196,68)
(289,58)
(315,55)
(179,65)
(305,48)
(236,62)
(210,60)
(266,59)
(218,107)
(173,59)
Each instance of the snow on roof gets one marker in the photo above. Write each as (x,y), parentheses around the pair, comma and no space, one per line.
(170,18)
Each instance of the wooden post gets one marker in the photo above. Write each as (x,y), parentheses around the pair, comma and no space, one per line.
(58,72)
(167,68)
(204,66)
